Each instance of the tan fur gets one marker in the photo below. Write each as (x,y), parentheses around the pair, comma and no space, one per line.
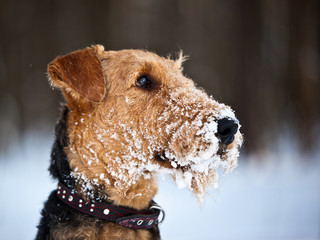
(115,127)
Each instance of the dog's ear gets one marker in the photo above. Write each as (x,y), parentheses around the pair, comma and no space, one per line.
(80,72)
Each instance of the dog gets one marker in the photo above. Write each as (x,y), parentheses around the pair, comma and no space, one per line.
(129,116)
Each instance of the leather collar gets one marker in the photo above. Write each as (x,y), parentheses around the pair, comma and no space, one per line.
(123,216)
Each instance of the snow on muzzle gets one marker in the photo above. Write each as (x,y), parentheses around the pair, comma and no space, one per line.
(200,145)
(198,139)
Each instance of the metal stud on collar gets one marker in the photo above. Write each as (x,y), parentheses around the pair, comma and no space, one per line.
(106,211)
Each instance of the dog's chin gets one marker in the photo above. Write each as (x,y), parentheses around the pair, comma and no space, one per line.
(199,174)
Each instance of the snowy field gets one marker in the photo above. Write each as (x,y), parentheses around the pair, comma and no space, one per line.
(276,197)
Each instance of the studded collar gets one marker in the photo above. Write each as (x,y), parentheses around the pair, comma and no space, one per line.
(123,216)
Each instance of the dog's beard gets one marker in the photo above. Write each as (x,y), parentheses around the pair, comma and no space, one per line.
(199,174)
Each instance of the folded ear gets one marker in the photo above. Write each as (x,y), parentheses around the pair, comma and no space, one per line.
(79,72)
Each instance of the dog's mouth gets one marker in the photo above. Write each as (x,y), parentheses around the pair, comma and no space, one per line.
(161,156)
(171,162)
(163,160)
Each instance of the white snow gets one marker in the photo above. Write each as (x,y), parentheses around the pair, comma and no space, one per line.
(274,196)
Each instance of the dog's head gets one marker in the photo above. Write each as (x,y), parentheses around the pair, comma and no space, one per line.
(133,114)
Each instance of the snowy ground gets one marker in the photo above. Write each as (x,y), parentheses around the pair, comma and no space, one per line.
(275,199)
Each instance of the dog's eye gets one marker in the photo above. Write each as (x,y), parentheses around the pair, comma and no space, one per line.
(144,82)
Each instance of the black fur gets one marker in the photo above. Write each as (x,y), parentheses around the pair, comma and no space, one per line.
(59,166)
(55,213)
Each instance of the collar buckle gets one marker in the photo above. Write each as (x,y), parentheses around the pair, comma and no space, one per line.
(157,207)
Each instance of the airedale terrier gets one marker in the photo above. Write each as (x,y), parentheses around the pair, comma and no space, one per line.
(129,115)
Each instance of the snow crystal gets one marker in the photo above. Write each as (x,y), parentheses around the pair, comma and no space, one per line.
(174,164)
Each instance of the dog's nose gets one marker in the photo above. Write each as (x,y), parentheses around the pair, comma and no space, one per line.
(227,128)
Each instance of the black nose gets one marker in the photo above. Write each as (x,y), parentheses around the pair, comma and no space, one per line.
(226,130)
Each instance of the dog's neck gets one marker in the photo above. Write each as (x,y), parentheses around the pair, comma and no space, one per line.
(138,195)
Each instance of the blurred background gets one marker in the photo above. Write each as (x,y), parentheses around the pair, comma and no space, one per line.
(259,56)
